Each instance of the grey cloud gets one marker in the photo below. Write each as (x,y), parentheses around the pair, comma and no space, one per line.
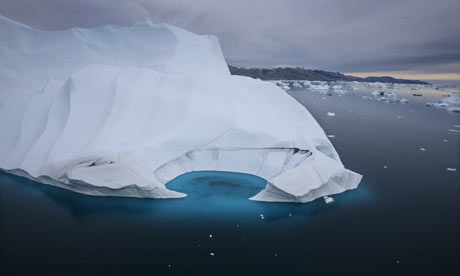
(337,35)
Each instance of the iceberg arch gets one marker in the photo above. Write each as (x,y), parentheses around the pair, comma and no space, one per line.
(120,111)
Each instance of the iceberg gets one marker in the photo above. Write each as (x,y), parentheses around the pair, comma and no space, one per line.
(121,111)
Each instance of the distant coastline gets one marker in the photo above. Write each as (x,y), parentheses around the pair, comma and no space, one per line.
(298,73)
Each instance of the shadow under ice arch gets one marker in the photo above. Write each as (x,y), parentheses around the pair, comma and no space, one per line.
(266,163)
(288,172)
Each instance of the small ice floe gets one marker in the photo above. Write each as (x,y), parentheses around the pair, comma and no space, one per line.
(285,87)
(276,254)
(456,126)
(404,101)
(212,254)
(331,114)
(451,169)
(385,167)
(382,99)
(400,117)
(296,84)
(324,98)
(290,214)
(453,130)
(453,109)
(262,216)
(391,95)
(331,136)
(237,225)
(437,105)
(451,100)
(422,149)
(328,199)
(445,140)
(210,236)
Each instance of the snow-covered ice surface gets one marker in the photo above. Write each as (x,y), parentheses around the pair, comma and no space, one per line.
(121,111)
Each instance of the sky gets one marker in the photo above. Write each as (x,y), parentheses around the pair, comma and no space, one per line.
(407,37)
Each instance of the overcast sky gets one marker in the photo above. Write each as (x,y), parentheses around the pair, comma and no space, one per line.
(338,35)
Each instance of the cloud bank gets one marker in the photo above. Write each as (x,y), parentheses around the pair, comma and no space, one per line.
(336,35)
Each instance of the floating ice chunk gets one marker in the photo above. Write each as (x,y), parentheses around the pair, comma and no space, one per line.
(210,236)
(451,169)
(103,111)
(404,101)
(456,126)
(391,95)
(455,100)
(212,254)
(453,109)
(445,140)
(422,149)
(437,105)
(328,199)
(331,136)
(331,114)
(400,117)
(385,167)
(453,130)
(296,84)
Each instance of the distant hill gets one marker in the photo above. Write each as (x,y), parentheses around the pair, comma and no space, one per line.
(297,73)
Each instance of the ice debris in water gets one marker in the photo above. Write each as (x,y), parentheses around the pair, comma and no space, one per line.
(437,105)
(451,169)
(422,149)
(331,114)
(453,109)
(453,130)
(331,136)
(328,199)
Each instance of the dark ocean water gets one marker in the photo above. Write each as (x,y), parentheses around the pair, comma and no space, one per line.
(402,220)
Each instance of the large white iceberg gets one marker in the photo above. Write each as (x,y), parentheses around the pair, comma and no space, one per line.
(120,111)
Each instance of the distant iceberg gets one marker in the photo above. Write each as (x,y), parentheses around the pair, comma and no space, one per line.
(120,111)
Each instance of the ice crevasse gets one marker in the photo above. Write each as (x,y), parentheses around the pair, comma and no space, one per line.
(121,111)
